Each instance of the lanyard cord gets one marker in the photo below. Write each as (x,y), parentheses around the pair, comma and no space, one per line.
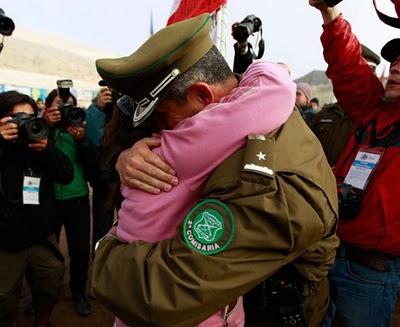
(387,141)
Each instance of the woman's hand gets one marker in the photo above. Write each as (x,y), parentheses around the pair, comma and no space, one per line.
(78,133)
(39,145)
(9,131)
(52,115)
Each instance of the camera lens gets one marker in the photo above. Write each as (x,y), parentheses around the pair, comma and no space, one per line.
(37,129)
(6,24)
(75,116)
(242,32)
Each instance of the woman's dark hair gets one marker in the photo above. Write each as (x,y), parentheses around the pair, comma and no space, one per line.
(120,135)
(52,95)
(9,99)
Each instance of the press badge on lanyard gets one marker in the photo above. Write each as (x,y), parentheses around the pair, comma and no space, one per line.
(30,190)
(363,166)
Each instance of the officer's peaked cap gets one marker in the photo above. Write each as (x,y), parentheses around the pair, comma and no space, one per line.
(146,74)
(369,55)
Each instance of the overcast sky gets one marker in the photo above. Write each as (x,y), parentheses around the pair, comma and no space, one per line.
(291,27)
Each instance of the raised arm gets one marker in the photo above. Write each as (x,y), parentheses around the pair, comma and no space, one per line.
(356,87)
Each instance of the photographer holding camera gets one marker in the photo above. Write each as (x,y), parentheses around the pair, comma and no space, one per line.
(244,52)
(365,278)
(73,210)
(29,165)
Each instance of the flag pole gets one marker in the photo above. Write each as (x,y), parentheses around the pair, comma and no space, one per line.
(220,35)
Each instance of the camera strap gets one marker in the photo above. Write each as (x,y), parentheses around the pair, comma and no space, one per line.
(391,21)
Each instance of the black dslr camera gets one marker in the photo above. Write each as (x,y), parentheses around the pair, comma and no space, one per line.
(350,199)
(30,128)
(331,3)
(244,53)
(6,27)
(249,25)
(6,24)
(70,114)
(115,95)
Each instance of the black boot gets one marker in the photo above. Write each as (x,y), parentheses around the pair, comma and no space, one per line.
(82,305)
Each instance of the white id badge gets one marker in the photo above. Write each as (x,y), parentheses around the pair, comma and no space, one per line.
(363,166)
(30,191)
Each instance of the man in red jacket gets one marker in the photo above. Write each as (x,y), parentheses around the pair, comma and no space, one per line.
(366,275)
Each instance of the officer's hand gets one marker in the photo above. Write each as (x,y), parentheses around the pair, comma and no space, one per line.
(39,145)
(78,133)
(104,97)
(140,168)
(52,115)
(9,131)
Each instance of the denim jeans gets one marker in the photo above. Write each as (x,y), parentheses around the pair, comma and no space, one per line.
(361,296)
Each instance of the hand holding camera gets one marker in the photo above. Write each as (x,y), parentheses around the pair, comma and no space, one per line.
(24,128)
(324,3)
(327,8)
(9,131)
(78,133)
(53,116)
(39,145)
(105,97)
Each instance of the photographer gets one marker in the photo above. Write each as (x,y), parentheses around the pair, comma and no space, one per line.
(73,210)
(365,277)
(28,169)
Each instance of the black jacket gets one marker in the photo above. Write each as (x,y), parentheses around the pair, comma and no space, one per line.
(24,225)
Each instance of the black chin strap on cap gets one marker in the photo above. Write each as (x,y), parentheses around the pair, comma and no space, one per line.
(391,21)
(140,110)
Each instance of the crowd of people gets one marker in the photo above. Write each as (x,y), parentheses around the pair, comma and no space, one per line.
(237,200)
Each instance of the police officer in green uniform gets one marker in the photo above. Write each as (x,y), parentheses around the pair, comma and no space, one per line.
(277,217)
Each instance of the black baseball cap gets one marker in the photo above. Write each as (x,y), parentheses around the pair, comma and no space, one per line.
(391,50)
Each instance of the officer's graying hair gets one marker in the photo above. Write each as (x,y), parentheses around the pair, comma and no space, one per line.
(212,68)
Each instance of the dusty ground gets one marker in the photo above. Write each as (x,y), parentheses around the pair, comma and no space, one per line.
(64,314)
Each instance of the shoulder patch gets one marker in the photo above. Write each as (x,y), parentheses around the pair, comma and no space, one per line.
(259,156)
(209,227)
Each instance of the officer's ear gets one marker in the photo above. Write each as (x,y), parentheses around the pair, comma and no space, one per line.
(200,94)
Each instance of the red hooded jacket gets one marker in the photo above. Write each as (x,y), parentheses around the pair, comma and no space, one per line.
(360,93)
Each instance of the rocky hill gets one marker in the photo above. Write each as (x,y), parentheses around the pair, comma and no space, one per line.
(321,84)
(35,61)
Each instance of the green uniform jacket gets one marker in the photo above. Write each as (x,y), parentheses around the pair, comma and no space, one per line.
(78,187)
(289,216)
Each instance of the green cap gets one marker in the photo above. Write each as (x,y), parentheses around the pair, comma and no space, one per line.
(146,74)
(370,56)
(391,50)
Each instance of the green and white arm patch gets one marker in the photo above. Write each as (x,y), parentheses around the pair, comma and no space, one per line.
(209,227)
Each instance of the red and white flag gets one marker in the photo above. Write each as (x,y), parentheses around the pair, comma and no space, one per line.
(185,9)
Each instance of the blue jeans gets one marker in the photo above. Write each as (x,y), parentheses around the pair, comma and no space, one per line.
(361,296)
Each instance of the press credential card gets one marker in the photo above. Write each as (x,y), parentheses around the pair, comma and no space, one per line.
(30,192)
